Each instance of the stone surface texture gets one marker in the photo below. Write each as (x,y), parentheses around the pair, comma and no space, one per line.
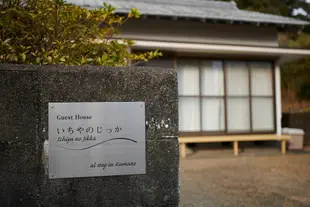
(19,153)
(25,92)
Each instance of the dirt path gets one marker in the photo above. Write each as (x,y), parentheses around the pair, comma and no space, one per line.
(275,181)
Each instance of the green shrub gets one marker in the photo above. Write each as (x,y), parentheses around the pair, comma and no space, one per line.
(54,32)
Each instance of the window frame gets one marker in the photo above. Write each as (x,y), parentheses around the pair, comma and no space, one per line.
(250,96)
(223,58)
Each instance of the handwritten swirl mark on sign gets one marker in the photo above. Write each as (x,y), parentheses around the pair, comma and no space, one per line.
(85,148)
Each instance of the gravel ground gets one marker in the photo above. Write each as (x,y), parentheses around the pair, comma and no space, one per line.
(272,180)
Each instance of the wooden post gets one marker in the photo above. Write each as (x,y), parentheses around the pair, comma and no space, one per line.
(182,150)
(236,148)
(283,147)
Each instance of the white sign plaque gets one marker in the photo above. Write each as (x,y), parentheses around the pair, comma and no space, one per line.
(90,139)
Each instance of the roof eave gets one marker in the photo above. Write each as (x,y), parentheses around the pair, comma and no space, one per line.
(283,26)
(284,55)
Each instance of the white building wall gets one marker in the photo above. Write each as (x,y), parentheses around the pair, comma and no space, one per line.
(199,32)
(278,98)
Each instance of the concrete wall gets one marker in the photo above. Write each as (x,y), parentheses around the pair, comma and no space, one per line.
(19,142)
(199,32)
(24,94)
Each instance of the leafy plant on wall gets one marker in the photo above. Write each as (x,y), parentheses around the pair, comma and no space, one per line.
(55,32)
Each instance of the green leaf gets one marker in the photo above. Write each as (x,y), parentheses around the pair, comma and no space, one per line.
(49,59)
(7,41)
(23,56)
(134,13)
